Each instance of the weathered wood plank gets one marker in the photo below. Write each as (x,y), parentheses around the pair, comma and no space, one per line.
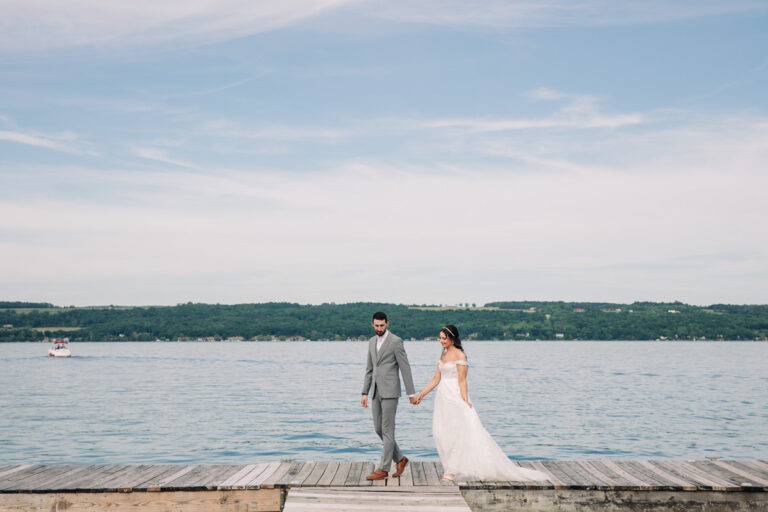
(368,469)
(9,470)
(168,480)
(244,473)
(315,475)
(263,500)
(758,466)
(431,473)
(184,481)
(209,480)
(27,476)
(353,477)
(709,468)
(747,474)
(653,479)
(330,472)
(685,470)
(400,499)
(85,481)
(419,475)
(302,474)
(61,478)
(606,480)
(539,466)
(567,479)
(685,484)
(621,473)
(257,479)
(289,475)
(278,473)
(341,474)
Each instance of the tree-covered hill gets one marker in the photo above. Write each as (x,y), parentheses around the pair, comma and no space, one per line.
(495,321)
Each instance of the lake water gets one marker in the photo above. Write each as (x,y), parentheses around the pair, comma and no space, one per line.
(218,403)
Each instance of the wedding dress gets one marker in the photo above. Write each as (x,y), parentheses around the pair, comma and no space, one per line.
(466,449)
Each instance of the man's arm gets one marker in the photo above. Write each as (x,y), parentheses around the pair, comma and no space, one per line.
(405,367)
(368,377)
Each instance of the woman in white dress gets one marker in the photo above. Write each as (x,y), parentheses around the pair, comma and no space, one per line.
(466,449)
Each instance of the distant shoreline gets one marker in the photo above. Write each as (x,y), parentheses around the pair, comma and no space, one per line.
(496,321)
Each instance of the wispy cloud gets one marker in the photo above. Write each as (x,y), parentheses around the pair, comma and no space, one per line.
(39,24)
(63,143)
(523,13)
(161,155)
(228,128)
(580,113)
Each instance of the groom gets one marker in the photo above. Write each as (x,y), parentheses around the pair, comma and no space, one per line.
(386,361)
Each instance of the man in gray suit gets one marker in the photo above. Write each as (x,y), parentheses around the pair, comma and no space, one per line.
(386,361)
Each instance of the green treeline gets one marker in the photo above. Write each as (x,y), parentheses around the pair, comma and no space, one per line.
(495,321)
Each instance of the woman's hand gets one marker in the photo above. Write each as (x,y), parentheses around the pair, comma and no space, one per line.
(469,403)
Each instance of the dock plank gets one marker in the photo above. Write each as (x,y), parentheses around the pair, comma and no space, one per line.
(169,479)
(244,473)
(620,472)
(302,474)
(9,470)
(85,480)
(745,473)
(315,475)
(685,484)
(329,473)
(539,466)
(430,471)
(341,474)
(289,475)
(257,480)
(28,474)
(353,477)
(704,481)
(419,475)
(276,475)
(400,499)
(368,469)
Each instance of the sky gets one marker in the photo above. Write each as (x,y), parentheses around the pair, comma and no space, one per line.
(424,152)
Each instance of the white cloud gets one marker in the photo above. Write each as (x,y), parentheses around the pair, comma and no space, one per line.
(580,113)
(161,155)
(655,225)
(40,24)
(523,13)
(58,143)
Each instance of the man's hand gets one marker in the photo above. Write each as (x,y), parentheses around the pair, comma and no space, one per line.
(364,401)
(415,400)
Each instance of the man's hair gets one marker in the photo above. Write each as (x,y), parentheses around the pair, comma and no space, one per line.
(380,315)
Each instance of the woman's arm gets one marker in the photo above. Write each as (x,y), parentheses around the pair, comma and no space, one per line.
(434,382)
(462,371)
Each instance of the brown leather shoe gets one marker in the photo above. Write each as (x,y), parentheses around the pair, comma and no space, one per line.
(377,475)
(400,467)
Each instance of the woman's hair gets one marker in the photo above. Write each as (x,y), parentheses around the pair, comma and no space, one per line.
(452,332)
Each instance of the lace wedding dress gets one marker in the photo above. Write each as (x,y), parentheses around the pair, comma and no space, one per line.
(465,447)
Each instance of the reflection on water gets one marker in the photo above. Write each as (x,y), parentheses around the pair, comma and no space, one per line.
(253,402)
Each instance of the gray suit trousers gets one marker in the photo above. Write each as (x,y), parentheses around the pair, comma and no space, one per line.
(384,410)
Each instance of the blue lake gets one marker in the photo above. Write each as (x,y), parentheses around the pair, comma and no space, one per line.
(254,402)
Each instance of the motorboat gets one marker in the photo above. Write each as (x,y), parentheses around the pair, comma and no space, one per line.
(60,348)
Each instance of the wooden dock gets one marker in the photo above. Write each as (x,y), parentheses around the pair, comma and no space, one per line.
(709,485)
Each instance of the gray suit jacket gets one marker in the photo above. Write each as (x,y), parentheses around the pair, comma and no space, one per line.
(384,367)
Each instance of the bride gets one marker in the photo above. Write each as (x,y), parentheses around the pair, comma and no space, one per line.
(465,447)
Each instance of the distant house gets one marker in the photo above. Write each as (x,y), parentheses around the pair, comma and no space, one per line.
(559,335)
(673,311)
(8,326)
(578,310)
